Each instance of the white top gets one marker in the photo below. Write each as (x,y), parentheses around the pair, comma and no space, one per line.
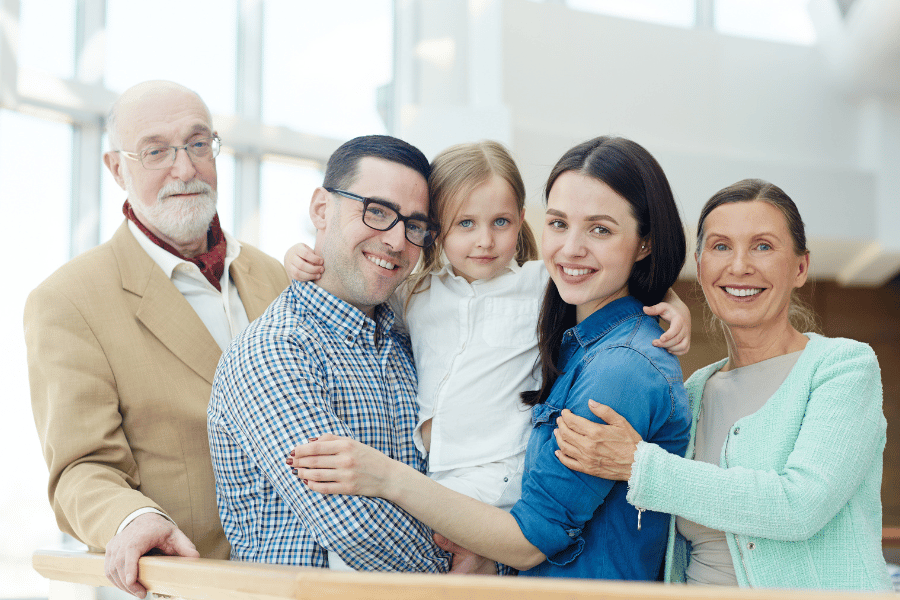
(223,312)
(475,347)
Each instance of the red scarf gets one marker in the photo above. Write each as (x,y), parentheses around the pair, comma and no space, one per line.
(211,263)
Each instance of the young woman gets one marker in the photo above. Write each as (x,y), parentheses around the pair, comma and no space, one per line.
(612,244)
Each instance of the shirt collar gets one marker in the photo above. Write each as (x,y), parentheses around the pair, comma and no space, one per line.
(168,261)
(347,321)
(602,321)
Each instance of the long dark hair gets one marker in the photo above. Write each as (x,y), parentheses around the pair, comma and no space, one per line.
(634,174)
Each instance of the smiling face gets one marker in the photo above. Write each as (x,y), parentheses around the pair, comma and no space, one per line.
(365,266)
(176,203)
(747,265)
(480,241)
(590,242)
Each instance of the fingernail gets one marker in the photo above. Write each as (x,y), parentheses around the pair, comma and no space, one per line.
(292,451)
(305,482)
(293,471)
(313,439)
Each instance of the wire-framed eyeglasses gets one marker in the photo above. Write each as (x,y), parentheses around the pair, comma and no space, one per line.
(381,217)
(163,157)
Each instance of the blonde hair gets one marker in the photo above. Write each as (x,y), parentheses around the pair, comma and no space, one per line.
(455,173)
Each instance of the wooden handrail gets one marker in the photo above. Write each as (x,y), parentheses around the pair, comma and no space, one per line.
(201,579)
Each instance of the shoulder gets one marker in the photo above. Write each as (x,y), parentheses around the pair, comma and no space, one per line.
(85,278)
(825,358)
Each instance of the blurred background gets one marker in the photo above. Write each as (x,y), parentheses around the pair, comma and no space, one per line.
(804,93)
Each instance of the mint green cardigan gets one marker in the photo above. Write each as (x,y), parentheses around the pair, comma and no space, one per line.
(798,489)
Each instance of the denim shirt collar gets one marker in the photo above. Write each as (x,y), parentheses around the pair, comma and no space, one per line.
(599,323)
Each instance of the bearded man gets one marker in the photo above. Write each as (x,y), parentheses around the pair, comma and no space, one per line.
(123,343)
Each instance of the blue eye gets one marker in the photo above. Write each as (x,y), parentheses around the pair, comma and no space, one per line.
(720,247)
(501,222)
(764,247)
(466,223)
(156,151)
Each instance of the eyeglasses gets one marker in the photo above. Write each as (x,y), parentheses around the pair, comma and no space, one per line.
(163,157)
(381,217)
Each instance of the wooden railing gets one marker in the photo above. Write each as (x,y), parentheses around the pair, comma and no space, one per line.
(204,579)
(890,537)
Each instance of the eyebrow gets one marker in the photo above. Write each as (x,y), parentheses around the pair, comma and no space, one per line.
(589,218)
(158,139)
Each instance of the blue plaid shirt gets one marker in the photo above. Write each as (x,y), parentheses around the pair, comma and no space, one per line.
(312,364)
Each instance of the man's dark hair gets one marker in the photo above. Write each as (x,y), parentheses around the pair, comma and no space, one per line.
(341,169)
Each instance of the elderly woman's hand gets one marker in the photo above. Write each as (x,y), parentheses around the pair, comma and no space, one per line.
(600,450)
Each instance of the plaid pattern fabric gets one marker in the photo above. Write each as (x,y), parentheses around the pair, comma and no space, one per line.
(310,365)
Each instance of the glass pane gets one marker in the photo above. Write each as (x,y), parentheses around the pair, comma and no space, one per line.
(47,36)
(774,20)
(323,63)
(192,43)
(680,13)
(37,241)
(285,191)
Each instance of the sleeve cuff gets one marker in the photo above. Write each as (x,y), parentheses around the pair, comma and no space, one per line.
(141,511)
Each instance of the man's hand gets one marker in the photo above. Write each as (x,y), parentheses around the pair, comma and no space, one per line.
(145,533)
(465,562)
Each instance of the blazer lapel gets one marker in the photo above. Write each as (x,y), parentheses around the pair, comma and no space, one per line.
(256,294)
(163,310)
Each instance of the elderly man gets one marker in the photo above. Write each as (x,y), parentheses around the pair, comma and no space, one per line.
(123,343)
(327,357)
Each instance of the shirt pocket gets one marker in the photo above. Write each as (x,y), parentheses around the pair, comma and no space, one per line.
(510,322)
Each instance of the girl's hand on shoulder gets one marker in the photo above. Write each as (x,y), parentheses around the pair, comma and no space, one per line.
(677,338)
(331,464)
(603,450)
(303,264)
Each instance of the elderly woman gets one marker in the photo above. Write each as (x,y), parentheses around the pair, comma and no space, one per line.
(781,487)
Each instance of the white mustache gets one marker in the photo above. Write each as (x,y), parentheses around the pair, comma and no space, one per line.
(194,186)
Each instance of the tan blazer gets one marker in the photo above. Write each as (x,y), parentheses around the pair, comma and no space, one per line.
(121,369)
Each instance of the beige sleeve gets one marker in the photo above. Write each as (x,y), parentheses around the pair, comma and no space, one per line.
(93,474)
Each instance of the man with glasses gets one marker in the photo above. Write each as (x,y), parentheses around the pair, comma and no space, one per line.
(329,357)
(123,343)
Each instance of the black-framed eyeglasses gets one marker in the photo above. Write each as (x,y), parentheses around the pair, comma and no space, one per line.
(381,217)
(163,157)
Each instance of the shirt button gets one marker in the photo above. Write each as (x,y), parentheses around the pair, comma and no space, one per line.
(751,546)
(349,339)
(505,479)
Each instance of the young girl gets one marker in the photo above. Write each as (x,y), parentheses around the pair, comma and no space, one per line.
(472,312)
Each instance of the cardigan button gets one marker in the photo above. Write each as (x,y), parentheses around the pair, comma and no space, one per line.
(751,545)
(737,430)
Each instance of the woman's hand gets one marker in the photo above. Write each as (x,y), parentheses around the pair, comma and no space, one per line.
(332,464)
(677,338)
(600,450)
(465,562)
(303,264)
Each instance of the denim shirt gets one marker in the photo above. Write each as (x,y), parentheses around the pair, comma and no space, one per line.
(583,524)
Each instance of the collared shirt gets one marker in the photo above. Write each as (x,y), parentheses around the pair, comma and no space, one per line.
(583,524)
(222,312)
(475,346)
(312,364)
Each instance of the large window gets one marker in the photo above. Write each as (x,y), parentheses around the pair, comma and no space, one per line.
(35,159)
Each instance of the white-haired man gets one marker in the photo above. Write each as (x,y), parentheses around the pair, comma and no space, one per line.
(123,343)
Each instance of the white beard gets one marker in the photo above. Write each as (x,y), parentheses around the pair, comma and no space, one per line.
(182,220)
